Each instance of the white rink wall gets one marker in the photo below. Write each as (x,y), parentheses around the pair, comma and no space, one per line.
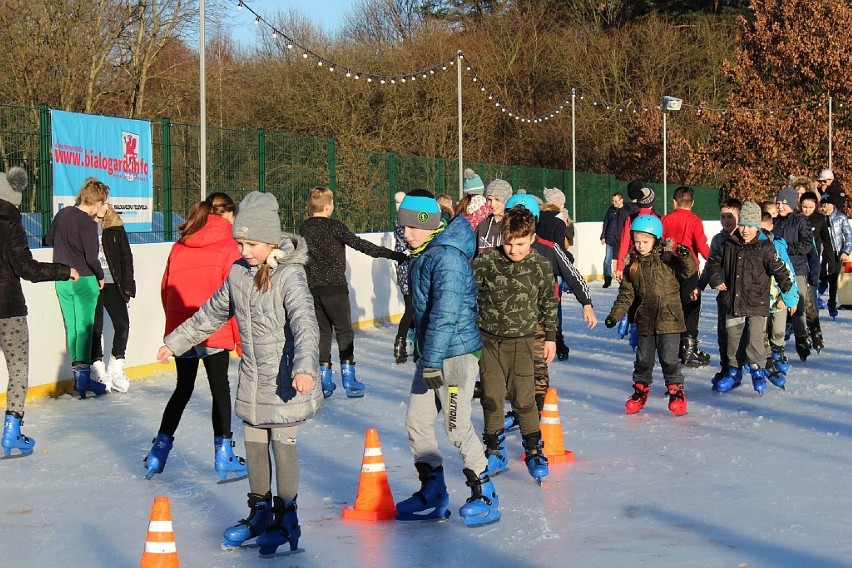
(374,295)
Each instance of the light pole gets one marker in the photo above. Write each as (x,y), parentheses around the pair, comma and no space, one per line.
(669,104)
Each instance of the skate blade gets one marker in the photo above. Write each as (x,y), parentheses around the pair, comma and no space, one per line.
(434,517)
(16,456)
(354,394)
(239,546)
(231,479)
(281,554)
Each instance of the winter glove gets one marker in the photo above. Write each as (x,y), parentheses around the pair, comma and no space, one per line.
(399,257)
(610,322)
(433,378)
(683,251)
(668,250)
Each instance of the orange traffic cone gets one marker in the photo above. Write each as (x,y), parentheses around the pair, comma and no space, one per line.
(374,501)
(551,430)
(160,549)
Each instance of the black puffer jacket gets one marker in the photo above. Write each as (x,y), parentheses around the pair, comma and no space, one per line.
(746,268)
(16,262)
(120,259)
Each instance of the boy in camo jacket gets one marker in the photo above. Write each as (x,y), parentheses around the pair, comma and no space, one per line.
(515,286)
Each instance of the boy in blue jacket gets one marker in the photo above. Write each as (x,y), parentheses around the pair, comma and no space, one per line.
(443,294)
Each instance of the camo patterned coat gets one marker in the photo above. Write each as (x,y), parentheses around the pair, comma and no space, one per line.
(515,296)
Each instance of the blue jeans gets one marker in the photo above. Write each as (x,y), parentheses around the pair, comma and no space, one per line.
(607,269)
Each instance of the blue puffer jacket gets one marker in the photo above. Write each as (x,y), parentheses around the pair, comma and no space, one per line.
(444,296)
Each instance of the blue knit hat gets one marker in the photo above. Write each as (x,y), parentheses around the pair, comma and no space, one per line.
(472,182)
(419,209)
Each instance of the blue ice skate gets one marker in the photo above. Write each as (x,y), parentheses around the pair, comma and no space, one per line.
(634,336)
(778,378)
(623,327)
(328,385)
(729,382)
(260,515)
(155,461)
(821,305)
(495,451)
(510,420)
(12,437)
(483,505)
(226,461)
(431,502)
(534,458)
(354,388)
(758,378)
(284,528)
(781,362)
(83,382)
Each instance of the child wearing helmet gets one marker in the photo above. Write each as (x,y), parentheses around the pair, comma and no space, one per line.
(651,280)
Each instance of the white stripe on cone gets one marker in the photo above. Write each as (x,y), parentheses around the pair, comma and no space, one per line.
(372,467)
(160,526)
(160,547)
(372,452)
(548,420)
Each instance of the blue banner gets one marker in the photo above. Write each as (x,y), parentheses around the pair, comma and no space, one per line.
(116,151)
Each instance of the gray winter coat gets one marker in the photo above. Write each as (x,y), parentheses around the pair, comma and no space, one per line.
(279,334)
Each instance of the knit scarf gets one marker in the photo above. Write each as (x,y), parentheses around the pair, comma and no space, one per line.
(415,252)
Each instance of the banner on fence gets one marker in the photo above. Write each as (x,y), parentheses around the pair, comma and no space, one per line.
(117,151)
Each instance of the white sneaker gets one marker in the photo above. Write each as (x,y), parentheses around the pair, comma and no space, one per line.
(119,380)
(99,373)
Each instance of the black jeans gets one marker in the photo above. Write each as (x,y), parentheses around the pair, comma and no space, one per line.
(691,309)
(116,306)
(216,366)
(333,317)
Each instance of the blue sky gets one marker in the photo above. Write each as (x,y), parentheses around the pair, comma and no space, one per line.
(327,14)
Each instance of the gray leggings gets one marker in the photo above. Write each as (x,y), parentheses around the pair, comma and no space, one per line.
(283,442)
(15,343)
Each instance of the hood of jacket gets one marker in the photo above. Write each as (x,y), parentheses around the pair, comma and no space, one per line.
(458,234)
(215,230)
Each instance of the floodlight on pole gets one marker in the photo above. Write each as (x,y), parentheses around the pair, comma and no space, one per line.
(669,104)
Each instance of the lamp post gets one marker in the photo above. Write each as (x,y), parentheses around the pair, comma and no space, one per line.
(669,104)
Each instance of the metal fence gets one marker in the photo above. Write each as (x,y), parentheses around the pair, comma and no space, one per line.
(287,165)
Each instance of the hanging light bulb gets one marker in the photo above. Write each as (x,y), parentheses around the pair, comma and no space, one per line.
(257,20)
(240,5)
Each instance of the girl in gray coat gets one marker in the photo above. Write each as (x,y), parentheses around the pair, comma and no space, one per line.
(277,389)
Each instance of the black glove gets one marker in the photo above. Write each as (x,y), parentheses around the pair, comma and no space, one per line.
(610,322)
(399,257)
(433,378)
(683,251)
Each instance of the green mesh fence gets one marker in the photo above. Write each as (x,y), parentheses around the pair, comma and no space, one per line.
(239,161)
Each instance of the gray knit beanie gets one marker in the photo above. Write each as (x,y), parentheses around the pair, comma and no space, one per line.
(257,219)
(500,189)
(12,185)
(750,215)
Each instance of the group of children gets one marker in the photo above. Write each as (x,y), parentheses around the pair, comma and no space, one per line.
(764,264)
(93,271)
(483,291)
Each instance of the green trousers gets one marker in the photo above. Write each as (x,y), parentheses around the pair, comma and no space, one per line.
(78,300)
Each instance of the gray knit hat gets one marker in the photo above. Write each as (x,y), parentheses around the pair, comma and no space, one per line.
(12,185)
(750,215)
(257,219)
(789,196)
(500,189)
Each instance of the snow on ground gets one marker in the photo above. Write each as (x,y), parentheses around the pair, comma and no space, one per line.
(740,481)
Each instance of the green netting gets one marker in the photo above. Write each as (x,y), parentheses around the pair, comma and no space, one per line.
(239,161)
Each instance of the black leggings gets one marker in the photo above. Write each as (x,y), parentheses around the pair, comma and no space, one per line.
(113,300)
(217,375)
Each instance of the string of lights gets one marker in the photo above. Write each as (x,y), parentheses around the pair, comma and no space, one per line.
(490,95)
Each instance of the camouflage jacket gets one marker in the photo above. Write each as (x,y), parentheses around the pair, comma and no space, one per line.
(514,297)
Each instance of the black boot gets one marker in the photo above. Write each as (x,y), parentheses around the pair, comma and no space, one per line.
(690,355)
(816,338)
(607,281)
(803,346)
(400,352)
